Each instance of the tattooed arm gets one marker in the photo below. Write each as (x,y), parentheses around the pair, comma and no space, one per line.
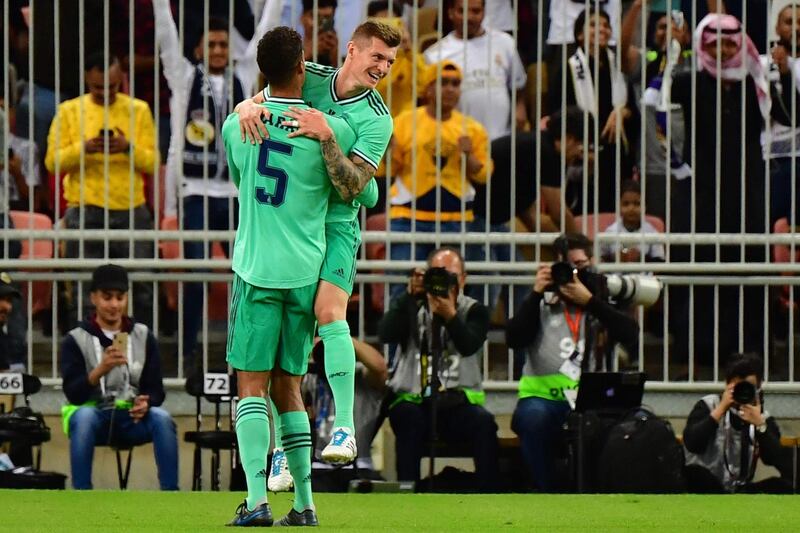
(348,176)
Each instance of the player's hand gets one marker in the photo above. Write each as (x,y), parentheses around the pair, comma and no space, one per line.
(112,357)
(251,121)
(465,144)
(310,123)
(444,307)
(415,283)
(543,279)
(141,404)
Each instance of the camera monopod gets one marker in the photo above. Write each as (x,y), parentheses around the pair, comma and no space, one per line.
(435,356)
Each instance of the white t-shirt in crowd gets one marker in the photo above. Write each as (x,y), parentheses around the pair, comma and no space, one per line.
(492,68)
(563,14)
(654,251)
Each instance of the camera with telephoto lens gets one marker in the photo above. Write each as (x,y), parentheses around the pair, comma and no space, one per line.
(438,281)
(634,289)
(744,393)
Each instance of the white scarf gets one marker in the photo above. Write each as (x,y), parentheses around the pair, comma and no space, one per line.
(584,85)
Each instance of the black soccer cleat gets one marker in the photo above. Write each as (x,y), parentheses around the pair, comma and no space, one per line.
(306,518)
(261,516)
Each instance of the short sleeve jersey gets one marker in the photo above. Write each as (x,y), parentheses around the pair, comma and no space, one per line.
(283,200)
(365,112)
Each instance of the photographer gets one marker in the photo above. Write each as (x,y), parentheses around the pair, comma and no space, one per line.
(434,305)
(726,434)
(567,325)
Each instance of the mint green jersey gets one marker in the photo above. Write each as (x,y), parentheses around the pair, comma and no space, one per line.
(283,200)
(367,115)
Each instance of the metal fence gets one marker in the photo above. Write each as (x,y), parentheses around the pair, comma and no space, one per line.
(714,163)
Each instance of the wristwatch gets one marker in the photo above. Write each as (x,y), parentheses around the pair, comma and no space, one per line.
(762,428)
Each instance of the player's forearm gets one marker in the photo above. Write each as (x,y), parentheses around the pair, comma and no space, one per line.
(348,177)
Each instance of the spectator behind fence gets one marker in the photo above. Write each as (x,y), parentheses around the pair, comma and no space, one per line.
(491,65)
(13,333)
(726,435)
(665,56)
(400,79)
(104,151)
(630,222)
(327,51)
(57,59)
(566,328)
(197,168)
(370,389)
(492,206)
(461,324)
(734,190)
(431,188)
(22,159)
(782,144)
(112,380)
(596,85)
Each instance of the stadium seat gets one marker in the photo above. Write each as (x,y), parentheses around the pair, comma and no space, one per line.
(37,249)
(217,304)
(216,439)
(376,250)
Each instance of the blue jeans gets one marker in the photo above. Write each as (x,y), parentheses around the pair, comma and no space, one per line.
(780,190)
(90,427)
(402,251)
(194,217)
(538,423)
(497,252)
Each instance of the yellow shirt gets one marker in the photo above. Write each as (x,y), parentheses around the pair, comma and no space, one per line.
(66,138)
(417,128)
(401,81)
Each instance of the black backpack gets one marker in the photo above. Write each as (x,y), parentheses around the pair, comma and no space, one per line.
(641,455)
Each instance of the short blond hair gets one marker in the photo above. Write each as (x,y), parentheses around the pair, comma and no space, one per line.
(372,28)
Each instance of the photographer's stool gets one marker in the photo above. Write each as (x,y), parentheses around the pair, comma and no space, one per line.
(122,476)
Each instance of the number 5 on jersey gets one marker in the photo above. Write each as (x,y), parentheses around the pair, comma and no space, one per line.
(275,198)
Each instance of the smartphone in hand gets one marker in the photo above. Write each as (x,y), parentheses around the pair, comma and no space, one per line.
(120,342)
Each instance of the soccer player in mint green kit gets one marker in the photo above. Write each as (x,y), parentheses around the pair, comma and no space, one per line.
(348,91)
(280,245)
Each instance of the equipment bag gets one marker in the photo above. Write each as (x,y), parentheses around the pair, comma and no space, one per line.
(641,455)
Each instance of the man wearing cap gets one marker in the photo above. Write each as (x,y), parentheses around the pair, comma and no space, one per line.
(112,380)
(12,327)
(428,148)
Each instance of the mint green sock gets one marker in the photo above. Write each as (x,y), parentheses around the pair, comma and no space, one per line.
(252,430)
(297,446)
(340,368)
(276,424)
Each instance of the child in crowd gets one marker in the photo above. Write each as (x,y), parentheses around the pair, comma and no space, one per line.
(630,221)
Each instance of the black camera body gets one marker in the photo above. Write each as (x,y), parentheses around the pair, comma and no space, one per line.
(745,393)
(438,281)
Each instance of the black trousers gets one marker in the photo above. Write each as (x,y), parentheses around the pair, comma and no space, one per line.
(464,424)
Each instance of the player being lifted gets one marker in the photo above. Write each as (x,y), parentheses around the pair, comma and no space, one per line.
(284,190)
(348,91)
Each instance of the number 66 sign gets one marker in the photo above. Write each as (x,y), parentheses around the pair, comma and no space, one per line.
(11,383)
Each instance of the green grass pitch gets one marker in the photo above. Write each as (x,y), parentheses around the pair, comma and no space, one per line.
(59,511)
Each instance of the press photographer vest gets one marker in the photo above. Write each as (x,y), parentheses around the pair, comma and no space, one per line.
(723,457)
(202,142)
(554,345)
(122,381)
(456,372)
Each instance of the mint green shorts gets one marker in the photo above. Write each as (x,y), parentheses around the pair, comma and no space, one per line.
(270,327)
(342,242)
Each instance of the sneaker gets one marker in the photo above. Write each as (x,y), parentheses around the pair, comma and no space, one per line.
(280,479)
(306,518)
(341,449)
(261,516)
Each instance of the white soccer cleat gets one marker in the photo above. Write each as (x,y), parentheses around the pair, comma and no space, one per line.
(341,450)
(280,479)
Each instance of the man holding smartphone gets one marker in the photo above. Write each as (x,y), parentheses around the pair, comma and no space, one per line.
(112,380)
(327,40)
